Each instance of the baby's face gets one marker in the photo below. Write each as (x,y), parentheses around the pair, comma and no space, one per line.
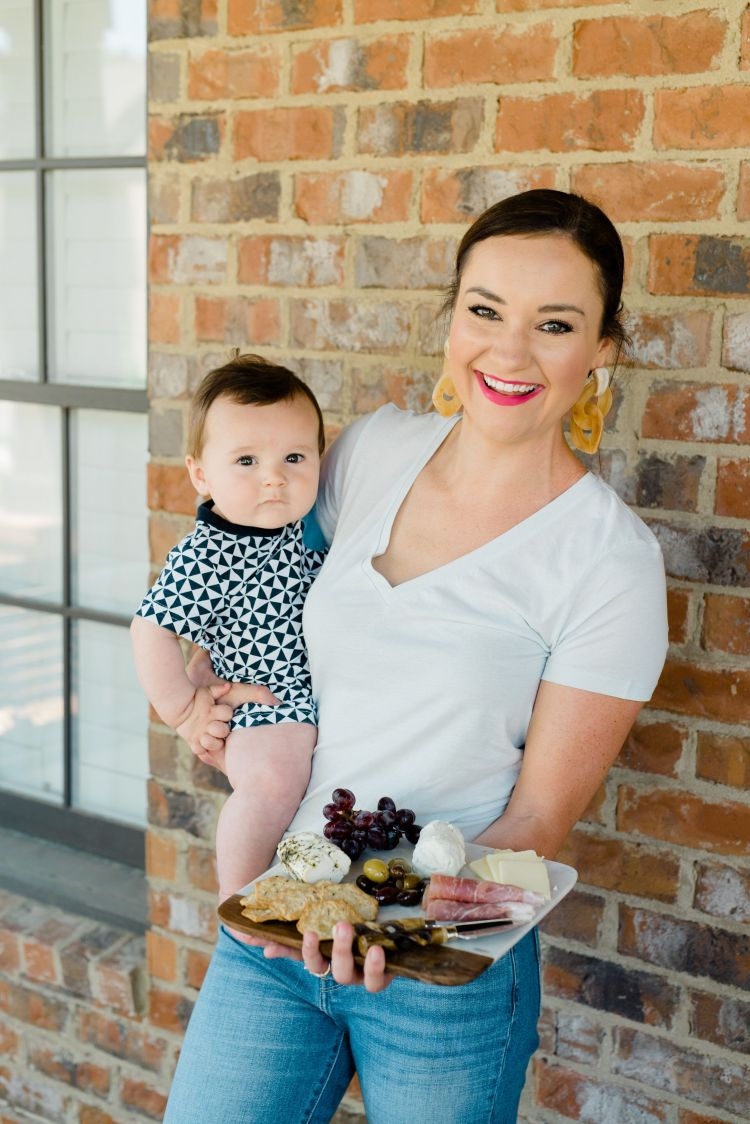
(259,464)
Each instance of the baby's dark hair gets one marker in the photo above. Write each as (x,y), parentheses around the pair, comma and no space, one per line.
(251,381)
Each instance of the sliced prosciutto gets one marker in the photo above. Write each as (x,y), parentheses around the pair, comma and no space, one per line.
(447,888)
(446,909)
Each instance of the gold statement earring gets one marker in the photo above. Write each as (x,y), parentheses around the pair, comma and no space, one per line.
(588,414)
(444,397)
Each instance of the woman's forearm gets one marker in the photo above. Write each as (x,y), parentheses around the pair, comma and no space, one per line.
(521,833)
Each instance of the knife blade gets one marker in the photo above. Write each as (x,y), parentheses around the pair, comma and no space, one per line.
(418,931)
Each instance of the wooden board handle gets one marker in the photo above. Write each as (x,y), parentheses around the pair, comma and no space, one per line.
(440,964)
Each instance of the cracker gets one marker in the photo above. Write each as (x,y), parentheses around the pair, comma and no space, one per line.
(365,905)
(253,911)
(321,916)
(285,898)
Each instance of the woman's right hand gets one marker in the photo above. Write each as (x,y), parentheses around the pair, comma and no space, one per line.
(342,965)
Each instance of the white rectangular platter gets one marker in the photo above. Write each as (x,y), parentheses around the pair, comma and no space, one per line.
(562,880)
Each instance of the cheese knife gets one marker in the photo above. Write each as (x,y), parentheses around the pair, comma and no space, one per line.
(420,932)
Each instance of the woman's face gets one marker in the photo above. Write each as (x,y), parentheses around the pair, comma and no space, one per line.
(525,332)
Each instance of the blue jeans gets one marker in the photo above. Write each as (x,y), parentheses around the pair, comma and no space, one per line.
(268,1042)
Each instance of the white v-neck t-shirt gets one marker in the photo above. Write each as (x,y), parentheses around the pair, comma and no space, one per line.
(425,689)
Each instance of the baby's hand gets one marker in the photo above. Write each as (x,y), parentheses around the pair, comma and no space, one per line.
(240,693)
(201,674)
(206,726)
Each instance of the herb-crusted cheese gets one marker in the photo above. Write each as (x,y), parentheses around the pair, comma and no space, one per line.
(311,858)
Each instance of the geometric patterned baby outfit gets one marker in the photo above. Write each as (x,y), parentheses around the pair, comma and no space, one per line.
(238,593)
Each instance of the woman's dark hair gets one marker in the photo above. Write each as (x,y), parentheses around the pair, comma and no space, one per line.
(251,381)
(544,211)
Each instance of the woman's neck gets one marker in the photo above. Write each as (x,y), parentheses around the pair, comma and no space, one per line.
(471,463)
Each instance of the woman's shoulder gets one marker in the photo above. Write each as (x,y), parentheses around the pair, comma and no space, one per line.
(388,430)
(393,421)
(616,508)
(610,517)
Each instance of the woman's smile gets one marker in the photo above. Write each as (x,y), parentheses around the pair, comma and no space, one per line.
(506,393)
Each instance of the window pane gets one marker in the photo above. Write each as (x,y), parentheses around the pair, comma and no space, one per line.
(110,758)
(18,294)
(96,92)
(109,510)
(31,704)
(98,277)
(30,501)
(17,132)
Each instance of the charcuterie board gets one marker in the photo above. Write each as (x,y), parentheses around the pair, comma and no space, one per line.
(441,964)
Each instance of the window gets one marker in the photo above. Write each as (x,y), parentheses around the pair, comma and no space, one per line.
(73,419)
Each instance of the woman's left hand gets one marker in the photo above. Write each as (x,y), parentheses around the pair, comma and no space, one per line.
(373,976)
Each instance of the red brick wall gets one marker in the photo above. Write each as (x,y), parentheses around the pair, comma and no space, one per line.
(75,1042)
(312,165)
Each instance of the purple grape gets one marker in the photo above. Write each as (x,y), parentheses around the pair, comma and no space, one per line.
(412,833)
(337,830)
(405,818)
(376,837)
(385,802)
(360,837)
(386,818)
(343,798)
(392,838)
(351,848)
(363,820)
(333,812)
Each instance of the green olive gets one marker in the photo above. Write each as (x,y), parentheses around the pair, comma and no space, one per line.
(376,870)
(399,868)
(411,881)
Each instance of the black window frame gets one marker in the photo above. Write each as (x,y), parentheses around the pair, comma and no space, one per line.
(62,823)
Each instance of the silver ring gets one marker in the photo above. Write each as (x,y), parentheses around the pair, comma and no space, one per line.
(320,975)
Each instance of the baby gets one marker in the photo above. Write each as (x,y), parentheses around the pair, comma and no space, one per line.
(235,587)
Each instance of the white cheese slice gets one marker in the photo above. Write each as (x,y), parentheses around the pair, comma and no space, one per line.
(482,868)
(514,868)
(530,856)
(524,873)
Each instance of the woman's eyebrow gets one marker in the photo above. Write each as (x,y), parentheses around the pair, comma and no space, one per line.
(486,294)
(562,308)
(543,308)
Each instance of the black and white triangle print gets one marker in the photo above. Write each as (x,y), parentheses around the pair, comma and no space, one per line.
(240,598)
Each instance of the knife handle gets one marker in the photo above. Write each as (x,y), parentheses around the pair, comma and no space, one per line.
(409,933)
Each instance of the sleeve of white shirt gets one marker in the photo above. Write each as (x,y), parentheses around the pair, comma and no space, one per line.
(333,477)
(614,639)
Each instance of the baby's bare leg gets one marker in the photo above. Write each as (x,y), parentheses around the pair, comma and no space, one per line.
(268,768)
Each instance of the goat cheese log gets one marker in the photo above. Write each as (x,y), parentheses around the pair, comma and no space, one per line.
(311,858)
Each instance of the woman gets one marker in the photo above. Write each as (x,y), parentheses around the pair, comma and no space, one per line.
(488,623)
